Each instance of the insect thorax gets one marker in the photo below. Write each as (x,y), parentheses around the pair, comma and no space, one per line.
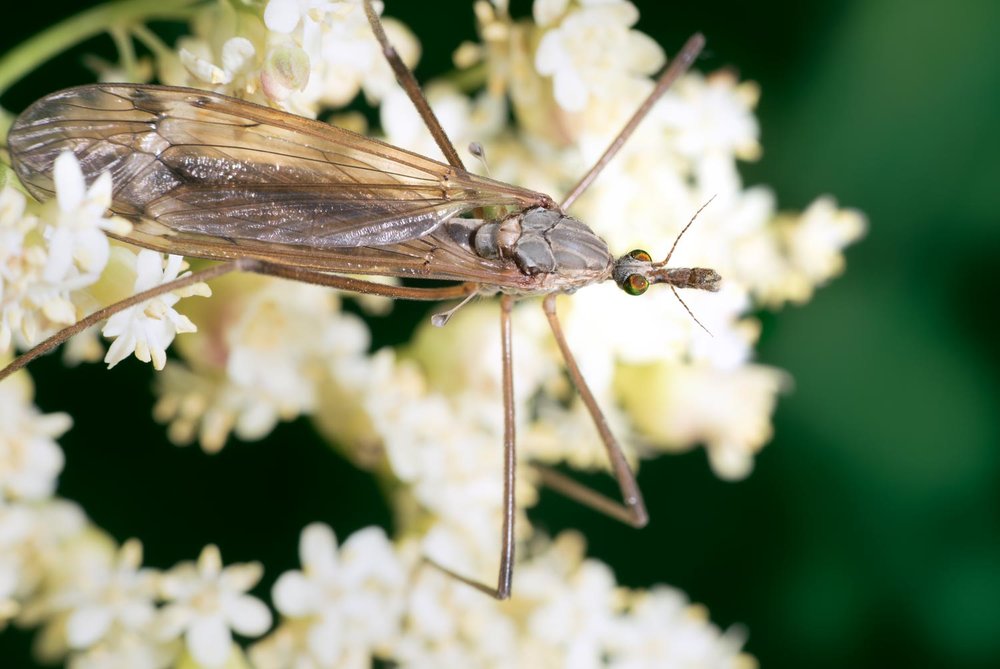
(541,241)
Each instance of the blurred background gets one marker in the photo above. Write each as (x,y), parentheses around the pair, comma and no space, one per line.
(869,533)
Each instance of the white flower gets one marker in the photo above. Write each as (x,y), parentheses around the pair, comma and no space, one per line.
(447,450)
(712,116)
(15,582)
(350,599)
(147,329)
(121,596)
(281,335)
(208,407)
(729,410)
(578,617)
(593,50)
(449,625)
(54,524)
(123,649)
(300,55)
(287,647)
(77,239)
(30,459)
(343,52)
(237,61)
(207,602)
(662,629)
(20,263)
(815,241)
(33,553)
(263,359)
(46,259)
(75,565)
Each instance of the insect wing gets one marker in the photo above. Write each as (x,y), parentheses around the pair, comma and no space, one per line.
(212,176)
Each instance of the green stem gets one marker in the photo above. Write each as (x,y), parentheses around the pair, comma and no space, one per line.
(27,56)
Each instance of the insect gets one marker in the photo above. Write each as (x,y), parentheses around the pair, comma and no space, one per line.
(209,176)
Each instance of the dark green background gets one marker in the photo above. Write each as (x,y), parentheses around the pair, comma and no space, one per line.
(869,534)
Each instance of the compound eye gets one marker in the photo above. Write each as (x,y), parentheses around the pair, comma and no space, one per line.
(639,254)
(635,284)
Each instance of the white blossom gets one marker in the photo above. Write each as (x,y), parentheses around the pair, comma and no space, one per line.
(300,55)
(349,600)
(48,255)
(815,241)
(728,410)
(15,567)
(126,650)
(712,116)
(261,360)
(123,596)
(207,603)
(30,459)
(147,329)
(593,50)
(578,617)
(78,238)
(449,625)
(662,629)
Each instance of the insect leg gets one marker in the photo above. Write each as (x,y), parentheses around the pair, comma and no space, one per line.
(680,64)
(412,88)
(509,451)
(631,510)
(110,310)
(353,285)
(240,265)
(506,574)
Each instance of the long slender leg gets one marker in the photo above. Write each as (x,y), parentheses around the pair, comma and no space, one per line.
(632,509)
(509,451)
(504,578)
(412,88)
(241,265)
(108,311)
(681,62)
(359,285)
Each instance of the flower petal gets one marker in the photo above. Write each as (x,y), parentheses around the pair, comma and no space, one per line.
(293,595)
(86,625)
(69,183)
(248,615)
(318,549)
(209,641)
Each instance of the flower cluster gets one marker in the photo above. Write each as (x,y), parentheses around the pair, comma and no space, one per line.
(299,55)
(425,416)
(95,603)
(373,600)
(57,264)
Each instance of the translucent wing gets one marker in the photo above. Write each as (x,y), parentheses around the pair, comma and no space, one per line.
(211,176)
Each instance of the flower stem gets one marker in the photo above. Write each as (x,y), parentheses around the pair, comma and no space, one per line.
(27,56)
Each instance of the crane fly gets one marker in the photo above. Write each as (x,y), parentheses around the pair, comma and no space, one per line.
(209,176)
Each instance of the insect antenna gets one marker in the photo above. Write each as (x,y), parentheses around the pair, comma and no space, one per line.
(682,61)
(690,313)
(663,263)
